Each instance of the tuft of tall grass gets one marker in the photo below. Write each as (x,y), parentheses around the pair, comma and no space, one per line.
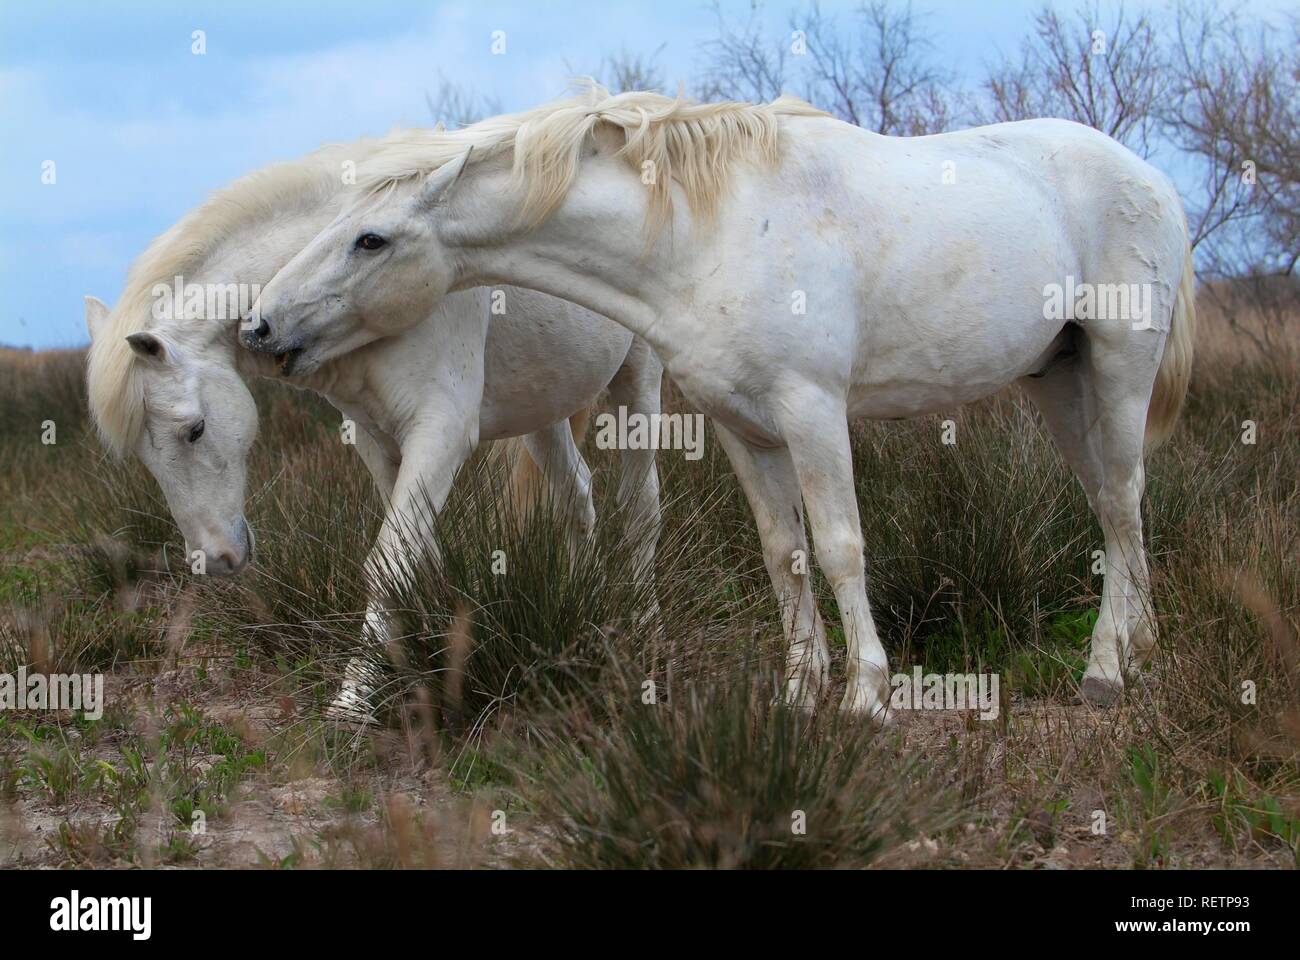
(79,634)
(724,774)
(973,546)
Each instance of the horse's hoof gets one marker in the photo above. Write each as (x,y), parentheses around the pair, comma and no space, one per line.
(804,694)
(1100,691)
(350,709)
(343,717)
(865,704)
(798,703)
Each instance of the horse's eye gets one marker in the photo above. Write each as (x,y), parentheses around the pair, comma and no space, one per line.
(196,431)
(370,241)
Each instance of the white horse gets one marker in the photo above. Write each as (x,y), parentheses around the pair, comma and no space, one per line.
(794,272)
(168,384)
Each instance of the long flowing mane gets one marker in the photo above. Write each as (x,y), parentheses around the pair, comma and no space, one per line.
(114,387)
(673,139)
(676,140)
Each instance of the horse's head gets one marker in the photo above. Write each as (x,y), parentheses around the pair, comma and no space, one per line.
(198,425)
(376,271)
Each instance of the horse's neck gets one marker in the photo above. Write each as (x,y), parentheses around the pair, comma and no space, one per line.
(335,381)
(364,384)
(589,251)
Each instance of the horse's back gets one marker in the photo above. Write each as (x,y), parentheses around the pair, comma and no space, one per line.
(952,242)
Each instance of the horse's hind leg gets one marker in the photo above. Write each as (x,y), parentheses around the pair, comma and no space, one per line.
(772,488)
(1065,397)
(637,387)
(567,477)
(1068,404)
(1123,364)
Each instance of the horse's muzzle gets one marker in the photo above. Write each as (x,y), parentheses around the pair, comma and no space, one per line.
(257,338)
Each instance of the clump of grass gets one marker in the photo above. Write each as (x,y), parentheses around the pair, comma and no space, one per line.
(1228,667)
(725,774)
(93,842)
(115,518)
(507,612)
(1240,814)
(55,767)
(405,838)
(987,538)
(200,762)
(80,634)
(300,608)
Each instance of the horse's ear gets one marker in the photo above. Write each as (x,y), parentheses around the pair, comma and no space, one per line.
(146,345)
(437,185)
(439,127)
(96,313)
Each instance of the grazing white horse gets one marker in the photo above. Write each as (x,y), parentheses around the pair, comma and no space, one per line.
(168,384)
(794,272)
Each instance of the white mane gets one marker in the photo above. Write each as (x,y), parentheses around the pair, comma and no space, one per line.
(115,391)
(688,143)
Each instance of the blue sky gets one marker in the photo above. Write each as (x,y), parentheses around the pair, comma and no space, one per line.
(140,129)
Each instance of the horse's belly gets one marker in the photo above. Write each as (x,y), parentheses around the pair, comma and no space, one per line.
(905,399)
(916,377)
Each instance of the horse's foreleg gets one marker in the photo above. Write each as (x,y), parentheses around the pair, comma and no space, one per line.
(637,386)
(353,702)
(818,434)
(430,460)
(772,488)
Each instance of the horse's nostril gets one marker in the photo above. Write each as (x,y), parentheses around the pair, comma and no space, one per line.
(263,330)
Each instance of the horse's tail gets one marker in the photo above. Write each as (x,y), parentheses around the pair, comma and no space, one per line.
(526,482)
(1176,364)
